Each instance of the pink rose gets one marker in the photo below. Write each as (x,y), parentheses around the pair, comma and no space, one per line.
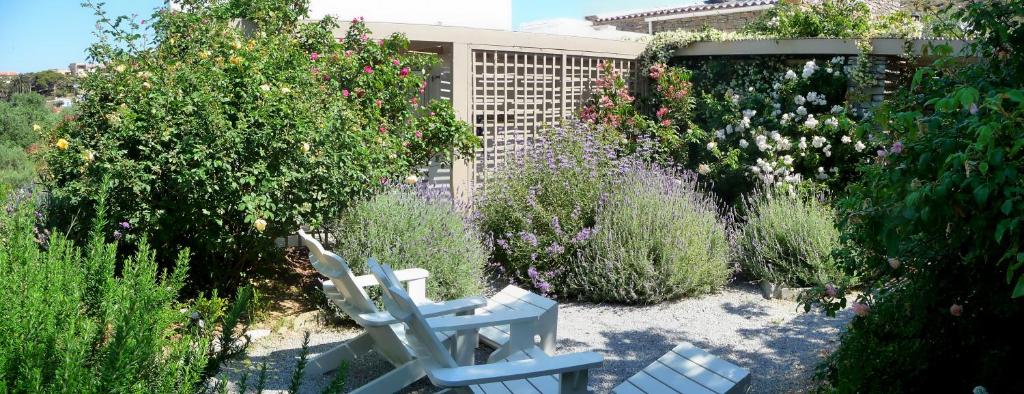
(860,309)
(418,134)
(395,62)
(313,56)
(344,92)
(368,70)
(348,53)
(666,122)
(404,72)
(956,310)
(662,112)
(379,103)
(383,130)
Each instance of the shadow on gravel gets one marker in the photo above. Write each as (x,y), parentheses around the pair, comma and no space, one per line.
(746,309)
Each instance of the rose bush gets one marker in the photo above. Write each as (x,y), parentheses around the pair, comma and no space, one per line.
(234,123)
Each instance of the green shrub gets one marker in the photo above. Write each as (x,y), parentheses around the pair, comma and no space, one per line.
(23,117)
(657,238)
(220,138)
(544,217)
(16,167)
(788,240)
(935,226)
(407,230)
(70,324)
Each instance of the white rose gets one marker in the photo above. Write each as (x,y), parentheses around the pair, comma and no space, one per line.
(711,145)
(859,146)
(703,169)
(744,144)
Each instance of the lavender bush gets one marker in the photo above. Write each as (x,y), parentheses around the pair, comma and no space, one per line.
(660,237)
(543,218)
(415,229)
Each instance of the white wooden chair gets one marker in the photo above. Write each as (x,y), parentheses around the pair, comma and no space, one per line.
(519,366)
(383,333)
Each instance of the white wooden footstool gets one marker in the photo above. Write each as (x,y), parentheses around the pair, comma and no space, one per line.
(517,299)
(690,370)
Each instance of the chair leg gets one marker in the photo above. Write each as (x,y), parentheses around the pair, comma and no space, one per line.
(548,329)
(520,337)
(464,349)
(332,359)
(395,380)
(574,382)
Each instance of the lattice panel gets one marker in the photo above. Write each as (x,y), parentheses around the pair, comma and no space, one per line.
(514,95)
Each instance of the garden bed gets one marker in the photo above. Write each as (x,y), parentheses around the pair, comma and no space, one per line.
(776,341)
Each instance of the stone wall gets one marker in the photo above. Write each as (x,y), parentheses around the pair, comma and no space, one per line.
(725,22)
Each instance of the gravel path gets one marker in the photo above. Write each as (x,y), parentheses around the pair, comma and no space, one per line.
(776,341)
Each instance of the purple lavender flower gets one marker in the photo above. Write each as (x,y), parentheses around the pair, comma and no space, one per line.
(529,238)
(117,234)
(502,243)
(532,273)
(126,225)
(555,249)
(583,235)
(897,147)
(555,225)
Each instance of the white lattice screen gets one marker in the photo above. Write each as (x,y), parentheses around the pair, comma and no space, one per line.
(515,94)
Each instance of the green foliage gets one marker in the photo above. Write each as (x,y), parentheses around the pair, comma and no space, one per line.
(935,226)
(570,217)
(48,83)
(407,230)
(23,118)
(70,324)
(657,239)
(788,240)
(222,135)
(16,168)
(829,18)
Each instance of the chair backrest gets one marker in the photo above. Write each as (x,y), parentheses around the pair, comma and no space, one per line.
(421,338)
(336,269)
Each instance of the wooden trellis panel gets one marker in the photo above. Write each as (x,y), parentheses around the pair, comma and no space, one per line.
(515,94)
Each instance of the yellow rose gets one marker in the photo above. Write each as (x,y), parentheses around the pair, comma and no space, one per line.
(411,180)
(236,60)
(286,90)
(236,45)
(119,68)
(63,144)
(265,87)
(146,85)
(305,147)
(204,55)
(260,225)
(36,127)
(88,155)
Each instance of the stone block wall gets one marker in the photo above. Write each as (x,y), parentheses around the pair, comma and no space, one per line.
(725,22)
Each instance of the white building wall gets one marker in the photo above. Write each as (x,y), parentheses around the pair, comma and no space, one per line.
(487,14)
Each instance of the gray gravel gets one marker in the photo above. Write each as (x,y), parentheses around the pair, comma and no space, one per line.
(774,339)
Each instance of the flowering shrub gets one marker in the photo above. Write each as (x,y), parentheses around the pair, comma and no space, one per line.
(613,107)
(539,213)
(788,240)
(659,237)
(762,122)
(221,138)
(407,230)
(71,325)
(934,226)
(572,218)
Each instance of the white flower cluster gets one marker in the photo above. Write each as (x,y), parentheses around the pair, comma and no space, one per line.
(809,69)
(816,98)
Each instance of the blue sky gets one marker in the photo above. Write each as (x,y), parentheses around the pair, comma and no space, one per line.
(43,34)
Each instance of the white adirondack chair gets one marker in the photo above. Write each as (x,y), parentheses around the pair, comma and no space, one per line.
(518,367)
(383,333)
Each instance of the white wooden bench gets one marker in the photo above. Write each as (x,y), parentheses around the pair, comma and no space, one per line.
(513,298)
(690,370)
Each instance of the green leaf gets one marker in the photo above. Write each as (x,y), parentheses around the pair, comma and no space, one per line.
(1007,207)
(1018,290)
(981,194)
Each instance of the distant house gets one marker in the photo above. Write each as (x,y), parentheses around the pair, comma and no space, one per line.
(80,69)
(721,15)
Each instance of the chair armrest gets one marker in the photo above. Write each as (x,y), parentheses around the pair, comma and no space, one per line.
(455,323)
(405,275)
(512,370)
(452,307)
(384,318)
